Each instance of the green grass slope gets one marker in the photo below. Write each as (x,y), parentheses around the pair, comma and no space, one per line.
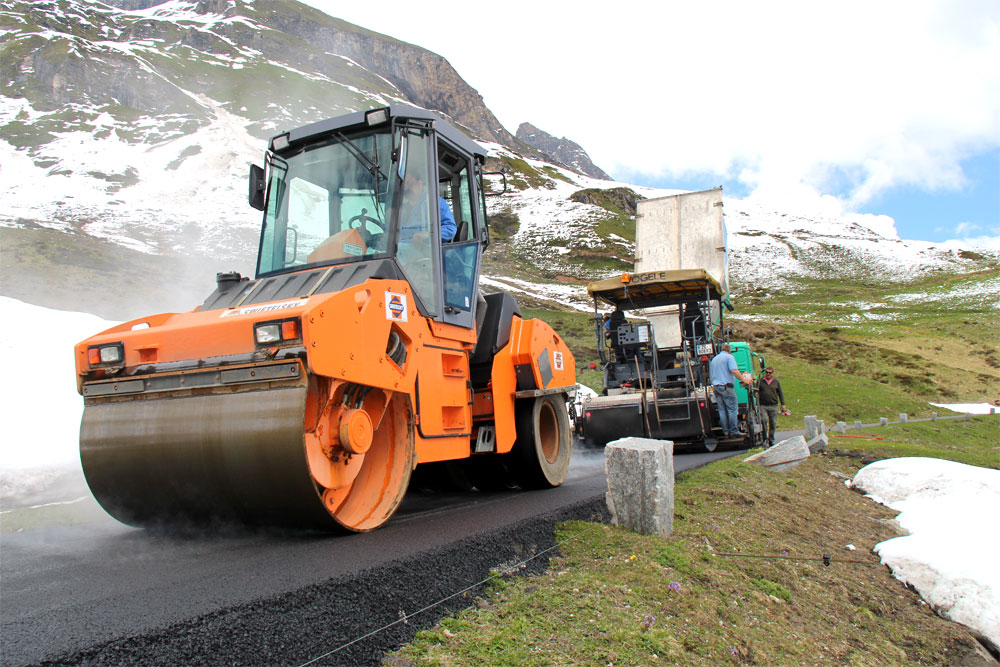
(741,581)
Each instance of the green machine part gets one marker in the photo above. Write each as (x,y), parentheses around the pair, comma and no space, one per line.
(748,362)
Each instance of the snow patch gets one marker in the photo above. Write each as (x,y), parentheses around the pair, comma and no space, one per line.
(949,557)
(41,407)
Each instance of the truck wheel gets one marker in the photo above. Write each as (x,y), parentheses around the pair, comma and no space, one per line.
(540,458)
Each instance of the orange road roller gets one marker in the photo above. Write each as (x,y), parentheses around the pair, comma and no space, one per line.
(363,349)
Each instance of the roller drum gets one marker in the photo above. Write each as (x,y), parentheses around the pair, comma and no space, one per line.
(237,456)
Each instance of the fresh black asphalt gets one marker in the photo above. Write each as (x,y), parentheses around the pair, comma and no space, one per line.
(100,593)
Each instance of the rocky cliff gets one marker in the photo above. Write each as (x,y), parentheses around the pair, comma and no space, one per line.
(562,150)
(276,64)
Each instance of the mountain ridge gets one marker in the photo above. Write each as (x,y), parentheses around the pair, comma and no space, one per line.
(133,123)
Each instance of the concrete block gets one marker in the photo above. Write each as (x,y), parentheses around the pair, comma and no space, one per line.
(818,443)
(857,424)
(841,427)
(784,455)
(640,477)
(883,421)
(902,417)
(933,416)
(812,426)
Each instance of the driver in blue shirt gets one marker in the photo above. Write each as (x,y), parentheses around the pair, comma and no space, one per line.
(448,226)
(415,213)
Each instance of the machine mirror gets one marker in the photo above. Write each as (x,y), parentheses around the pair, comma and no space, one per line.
(257,187)
(763,364)
(496,173)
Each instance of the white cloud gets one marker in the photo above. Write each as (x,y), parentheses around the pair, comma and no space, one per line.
(798,100)
(981,242)
(972,235)
(965,228)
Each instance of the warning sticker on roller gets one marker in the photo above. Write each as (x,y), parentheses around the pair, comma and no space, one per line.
(395,307)
(557,360)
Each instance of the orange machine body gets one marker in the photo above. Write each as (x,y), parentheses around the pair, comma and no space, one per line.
(344,337)
(362,349)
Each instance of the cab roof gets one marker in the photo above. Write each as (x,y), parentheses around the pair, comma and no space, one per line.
(358,119)
(656,288)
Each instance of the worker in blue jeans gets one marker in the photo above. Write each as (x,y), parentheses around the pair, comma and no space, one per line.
(724,374)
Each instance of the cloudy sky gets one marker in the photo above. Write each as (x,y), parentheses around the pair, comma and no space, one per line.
(883,107)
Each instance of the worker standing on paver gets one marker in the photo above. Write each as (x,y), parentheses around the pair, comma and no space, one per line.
(724,371)
(771,396)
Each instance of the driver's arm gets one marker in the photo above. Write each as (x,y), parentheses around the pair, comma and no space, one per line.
(448,226)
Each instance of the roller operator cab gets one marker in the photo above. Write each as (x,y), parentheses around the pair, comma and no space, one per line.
(362,349)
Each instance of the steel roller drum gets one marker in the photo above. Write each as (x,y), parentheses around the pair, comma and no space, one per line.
(219,457)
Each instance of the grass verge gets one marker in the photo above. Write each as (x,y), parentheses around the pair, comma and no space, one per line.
(728,586)
(976,441)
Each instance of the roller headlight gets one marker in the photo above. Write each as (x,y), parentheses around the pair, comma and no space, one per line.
(281,332)
(112,354)
(266,334)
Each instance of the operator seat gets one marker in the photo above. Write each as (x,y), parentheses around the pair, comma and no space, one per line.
(460,231)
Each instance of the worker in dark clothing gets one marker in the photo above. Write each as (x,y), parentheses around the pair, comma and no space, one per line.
(771,397)
(613,321)
(611,325)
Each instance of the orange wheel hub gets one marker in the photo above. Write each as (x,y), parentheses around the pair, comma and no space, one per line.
(356,431)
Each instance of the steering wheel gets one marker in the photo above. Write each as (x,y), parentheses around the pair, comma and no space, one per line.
(362,220)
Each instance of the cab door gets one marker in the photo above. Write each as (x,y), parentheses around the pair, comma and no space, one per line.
(460,256)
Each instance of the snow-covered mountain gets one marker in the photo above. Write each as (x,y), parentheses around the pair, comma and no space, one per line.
(135,120)
(131,123)
(768,249)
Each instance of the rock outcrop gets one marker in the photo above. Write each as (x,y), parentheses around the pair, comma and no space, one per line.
(562,150)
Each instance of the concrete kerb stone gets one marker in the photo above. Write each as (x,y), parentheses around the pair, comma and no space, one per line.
(640,478)
(786,454)
(813,426)
(818,443)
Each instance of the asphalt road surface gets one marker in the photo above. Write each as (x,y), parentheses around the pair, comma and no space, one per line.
(89,590)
